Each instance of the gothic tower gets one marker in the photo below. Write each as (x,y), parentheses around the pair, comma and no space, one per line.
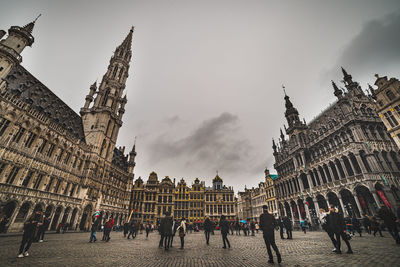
(12,46)
(102,114)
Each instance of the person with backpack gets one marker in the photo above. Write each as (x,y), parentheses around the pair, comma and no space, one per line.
(95,225)
(182,232)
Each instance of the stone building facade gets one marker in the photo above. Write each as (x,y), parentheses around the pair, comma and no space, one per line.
(53,159)
(152,199)
(251,201)
(387,104)
(342,157)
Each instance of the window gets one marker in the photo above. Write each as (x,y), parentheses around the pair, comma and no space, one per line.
(60,155)
(2,167)
(390,95)
(11,175)
(37,182)
(105,98)
(114,72)
(27,179)
(67,156)
(51,150)
(48,187)
(42,146)
(390,118)
(18,135)
(66,189)
(397,108)
(3,125)
(30,140)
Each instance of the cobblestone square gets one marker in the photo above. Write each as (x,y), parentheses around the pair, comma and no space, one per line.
(312,249)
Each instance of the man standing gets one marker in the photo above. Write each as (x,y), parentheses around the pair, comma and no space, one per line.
(166,230)
(207,229)
(338,226)
(324,219)
(95,225)
(224,227)
(29,232)
(280,223)
(288,226)
(267,225)
(389,219)
(107,228)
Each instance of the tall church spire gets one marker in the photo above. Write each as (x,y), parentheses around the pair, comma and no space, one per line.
(103,119)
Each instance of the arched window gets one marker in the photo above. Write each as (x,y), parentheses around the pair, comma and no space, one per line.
(114,72)
(105,97)
(390,95)
(23,212)
(120,74)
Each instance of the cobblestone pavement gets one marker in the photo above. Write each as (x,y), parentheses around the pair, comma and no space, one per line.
(312,249)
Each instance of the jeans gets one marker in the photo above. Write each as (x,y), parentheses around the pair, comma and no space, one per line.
(269,239)
(225,239)
(332,237)
(182,241)
(131,233)
(27,239)
(147,233)
(207,233)
(167,241)
(343,235)
(92,235)
(289,233)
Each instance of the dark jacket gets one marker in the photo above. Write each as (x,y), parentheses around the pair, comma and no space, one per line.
(387,216)
(224,226)
(208,225)
(31,224)
(95,224)
(336,222)
(166,226)
(267,223)
(287,223)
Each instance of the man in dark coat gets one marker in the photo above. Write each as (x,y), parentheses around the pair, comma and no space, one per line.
(207,229)
(336,221)
(267,225)
(224,227)
(126,228)
(95,226)
(29,233)
(166,230)
(280,223)
(389,219)
(288,226)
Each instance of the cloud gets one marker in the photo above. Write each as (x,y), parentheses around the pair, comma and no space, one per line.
(375,48)
(217,143)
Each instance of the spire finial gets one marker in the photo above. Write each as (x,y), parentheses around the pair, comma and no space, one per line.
(37,18)
(284,91)
(134,142)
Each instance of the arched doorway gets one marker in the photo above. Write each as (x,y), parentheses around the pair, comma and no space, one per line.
(23,212)
(7,212)
(55,218)
(366,200)
(86,215)
(281,209)
(65,217)
(38,207)
(294,210)
(322,202)
(349,203)
(302,209)
(72,220)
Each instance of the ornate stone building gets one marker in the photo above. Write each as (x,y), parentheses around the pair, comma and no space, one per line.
(387,104)
(53,159)
(219,200)
(153,199)
(342,157)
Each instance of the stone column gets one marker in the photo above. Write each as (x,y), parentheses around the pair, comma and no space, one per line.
(307,212)
(300,184)
(341,204)
(360,163)
(316,205)
(309,180)
(357,203)
(346,174)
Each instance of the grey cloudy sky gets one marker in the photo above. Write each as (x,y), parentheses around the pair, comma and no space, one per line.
(204,91)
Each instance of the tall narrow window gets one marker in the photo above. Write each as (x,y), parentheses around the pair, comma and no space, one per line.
(30,140)
(60,155)
(51,150)
(38,181)
(48,186)
(105,97)
(72,190)
(28,177)
(3,125)
(114,72)
(2,167)
(120,74)
(67,156)
(17,137)
(11,175)
(57,186)
(390,118)
(42,146)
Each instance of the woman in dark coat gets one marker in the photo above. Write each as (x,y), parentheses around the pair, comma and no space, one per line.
(224,226)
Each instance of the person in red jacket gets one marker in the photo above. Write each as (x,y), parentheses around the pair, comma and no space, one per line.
(107,228)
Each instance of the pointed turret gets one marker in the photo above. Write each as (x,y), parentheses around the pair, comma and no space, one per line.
(337,92)
(132,156)
(273,145)
(282,135)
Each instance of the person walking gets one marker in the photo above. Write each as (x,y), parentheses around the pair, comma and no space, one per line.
(126,228)
(253,228)
(389,220)
(166,230)
(29,233)
(224,227)
(107,228)
(207,229)
(303,225)
(288,226)
(174,228)
(367,223)
(338,226)
(375,226)
(95,225)
(267,225)
(182,232)
(280,223)
(326,226)
(237,227)
(148,229)
(356,225)
(131,230)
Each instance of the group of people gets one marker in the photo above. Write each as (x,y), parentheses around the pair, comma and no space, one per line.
(168,228)
(34,229)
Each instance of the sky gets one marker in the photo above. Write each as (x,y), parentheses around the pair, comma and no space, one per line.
(205,84)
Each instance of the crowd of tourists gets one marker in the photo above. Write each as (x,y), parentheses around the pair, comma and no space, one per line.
(337,226)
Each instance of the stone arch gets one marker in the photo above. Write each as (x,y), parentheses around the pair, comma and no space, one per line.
(366,199)
(294,209)
(86,216)
(38,207)
(349,203)
(23,211)
(56,218)
(333,168)
(302,209)
(365,161)
(322,202)
(8,210)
